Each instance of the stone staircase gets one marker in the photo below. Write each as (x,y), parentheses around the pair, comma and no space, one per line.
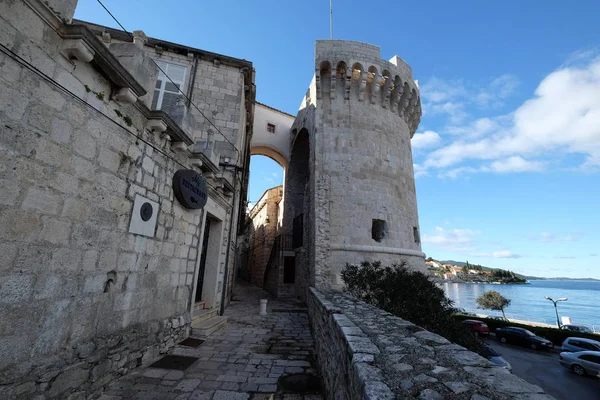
(206,321)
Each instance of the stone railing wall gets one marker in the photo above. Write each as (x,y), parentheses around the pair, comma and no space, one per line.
(82,370)
(366,353)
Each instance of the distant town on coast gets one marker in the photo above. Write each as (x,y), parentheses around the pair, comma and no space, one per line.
(464,272)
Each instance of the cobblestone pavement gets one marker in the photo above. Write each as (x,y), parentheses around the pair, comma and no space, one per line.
(242,361)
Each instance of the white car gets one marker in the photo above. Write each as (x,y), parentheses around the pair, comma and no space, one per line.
(574,344)
(582,362)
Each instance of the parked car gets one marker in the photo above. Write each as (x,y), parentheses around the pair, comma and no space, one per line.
(582,362)
(495,357)
(512,334)
(575,344)
(477,327)
(577,328)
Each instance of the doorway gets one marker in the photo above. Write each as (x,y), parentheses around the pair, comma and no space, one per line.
(203,254)
(207,286)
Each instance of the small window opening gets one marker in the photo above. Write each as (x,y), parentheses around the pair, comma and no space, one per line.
(271,128)
(416,234)
(378,230)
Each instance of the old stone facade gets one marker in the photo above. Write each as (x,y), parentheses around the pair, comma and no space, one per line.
(263,226)
(349,187)
(84,143)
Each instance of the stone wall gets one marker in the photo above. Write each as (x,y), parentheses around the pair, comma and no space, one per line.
(82,370)
(366,353)
(81,298)
(263,228)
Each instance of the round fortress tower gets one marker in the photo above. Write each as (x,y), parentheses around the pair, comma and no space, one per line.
(350,186)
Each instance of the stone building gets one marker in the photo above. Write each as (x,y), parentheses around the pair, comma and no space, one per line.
(106,255)
(123,173)
(349,190)
(264,223)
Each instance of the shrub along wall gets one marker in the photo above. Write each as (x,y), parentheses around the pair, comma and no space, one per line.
(556,336)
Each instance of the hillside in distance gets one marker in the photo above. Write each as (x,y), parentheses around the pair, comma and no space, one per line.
(529,278)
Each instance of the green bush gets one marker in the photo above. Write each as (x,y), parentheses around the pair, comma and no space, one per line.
(409,295)
(556,336)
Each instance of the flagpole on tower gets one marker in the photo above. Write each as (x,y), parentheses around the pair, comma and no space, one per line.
(330,19)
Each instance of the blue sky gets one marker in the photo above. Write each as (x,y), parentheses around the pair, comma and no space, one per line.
(507,155)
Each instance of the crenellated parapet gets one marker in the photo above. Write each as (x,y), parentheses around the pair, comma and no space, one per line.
(347,71)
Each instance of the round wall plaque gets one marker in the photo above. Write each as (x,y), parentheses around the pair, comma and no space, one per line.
(146,211)
(190,189)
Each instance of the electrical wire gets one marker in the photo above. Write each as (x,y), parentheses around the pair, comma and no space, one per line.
(178,88)
(35,70)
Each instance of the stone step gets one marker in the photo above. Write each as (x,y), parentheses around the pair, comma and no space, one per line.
(209,326)
(199,306)
(203,315)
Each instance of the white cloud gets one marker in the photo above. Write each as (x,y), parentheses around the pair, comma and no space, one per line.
(499,89)
(505,254)
(453,97)
(425,140)
(453,239)
(454,110)
(498,254)
(562,116)
(564,257)
(419,170)
(455,172)
(550,237)
(516,164)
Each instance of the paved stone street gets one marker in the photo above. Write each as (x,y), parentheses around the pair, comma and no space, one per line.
(242,361)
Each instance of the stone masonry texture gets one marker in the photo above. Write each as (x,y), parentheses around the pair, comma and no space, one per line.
(82,300)
(358,117)
(366,353)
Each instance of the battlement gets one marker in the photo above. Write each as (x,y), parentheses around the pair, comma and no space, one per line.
(353,71)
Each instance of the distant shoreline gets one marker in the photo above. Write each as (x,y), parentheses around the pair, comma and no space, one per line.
(537,278)
(480,283)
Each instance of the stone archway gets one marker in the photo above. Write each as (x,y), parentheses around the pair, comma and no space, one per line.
(271,134)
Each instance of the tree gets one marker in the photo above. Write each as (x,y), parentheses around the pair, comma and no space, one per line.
(493,300)
(429,259)
(410,295)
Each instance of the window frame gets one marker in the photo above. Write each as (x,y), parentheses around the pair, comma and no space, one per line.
(270,124)
(163,89)
(590,358)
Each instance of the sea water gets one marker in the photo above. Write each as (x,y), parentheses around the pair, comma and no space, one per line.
(528,301)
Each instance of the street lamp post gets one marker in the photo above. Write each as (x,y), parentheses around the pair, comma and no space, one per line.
(556,309)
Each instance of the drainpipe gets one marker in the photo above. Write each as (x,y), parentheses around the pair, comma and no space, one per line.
(191,88)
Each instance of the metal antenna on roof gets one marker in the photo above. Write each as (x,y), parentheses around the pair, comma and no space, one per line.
(330,19)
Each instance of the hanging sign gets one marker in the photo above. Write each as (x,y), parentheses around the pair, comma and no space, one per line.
(190,189)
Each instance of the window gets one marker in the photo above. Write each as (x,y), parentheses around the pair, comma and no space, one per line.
(590,357)
(378,230)
(271,128)
(416,234)
(166,92)
(589,346)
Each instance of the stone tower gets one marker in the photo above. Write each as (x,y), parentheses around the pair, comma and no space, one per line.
(350,186)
